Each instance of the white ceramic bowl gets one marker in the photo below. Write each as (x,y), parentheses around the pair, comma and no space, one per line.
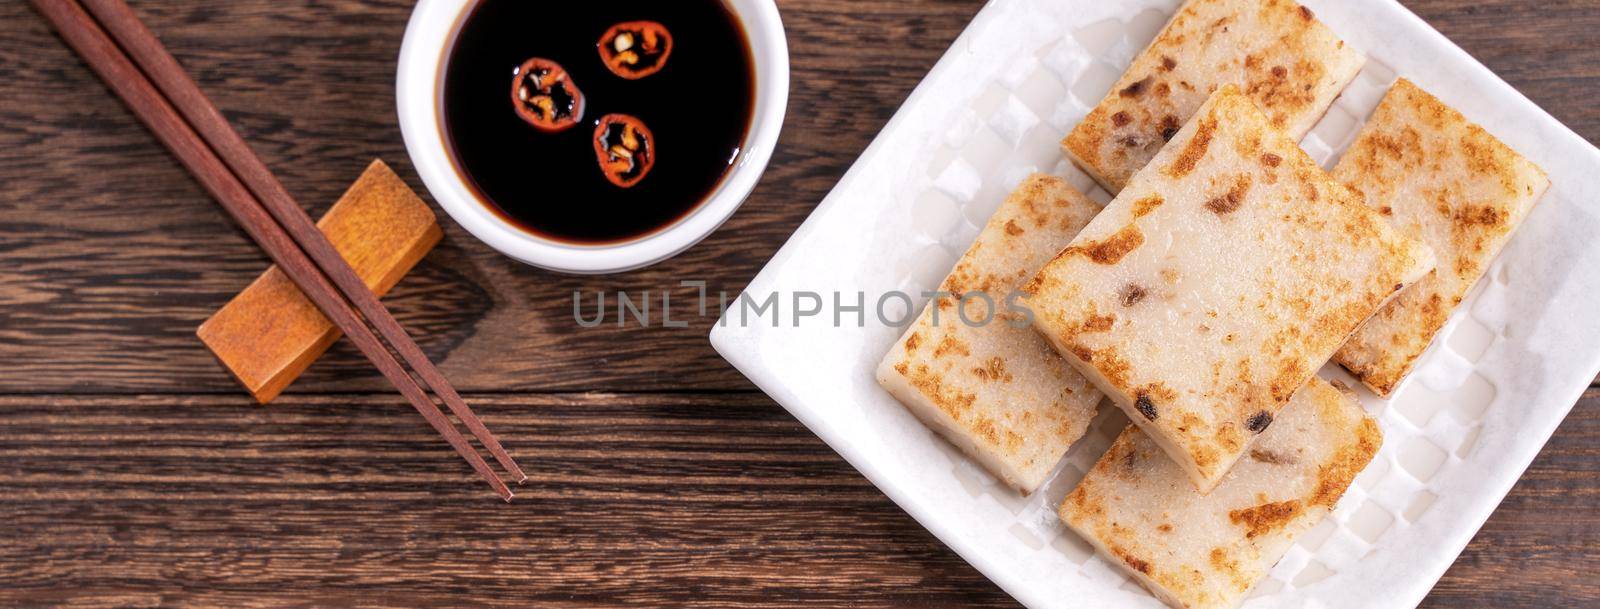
(428,39)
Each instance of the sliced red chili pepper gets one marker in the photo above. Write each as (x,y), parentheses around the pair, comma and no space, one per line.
(545,96)
(635,49)
(625,149)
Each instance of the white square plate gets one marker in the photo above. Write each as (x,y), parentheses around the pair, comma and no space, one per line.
(1458,434)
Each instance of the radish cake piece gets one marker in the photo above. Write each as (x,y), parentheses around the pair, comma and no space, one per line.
(988,383)
(1226,273)
(1274,50)
(1207,551)
(1434,175)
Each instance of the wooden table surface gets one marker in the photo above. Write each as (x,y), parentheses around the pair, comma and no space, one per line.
(133,472)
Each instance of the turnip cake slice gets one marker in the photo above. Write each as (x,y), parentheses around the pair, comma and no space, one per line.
(1438,177)
(997,390)
(1274,50)
(1214,286)
(1207,551)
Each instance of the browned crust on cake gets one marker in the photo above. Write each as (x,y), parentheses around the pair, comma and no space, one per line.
(1335,477)
(1195,149)
(996,391)
(1265,518)
(1433,173)
(1112,249)
(1158,549)
(1247,171)
(1288,63)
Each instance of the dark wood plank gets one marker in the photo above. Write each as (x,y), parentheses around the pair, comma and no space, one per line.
(702,499)
(667,500)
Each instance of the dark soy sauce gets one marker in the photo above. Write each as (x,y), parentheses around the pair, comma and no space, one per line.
(698,107)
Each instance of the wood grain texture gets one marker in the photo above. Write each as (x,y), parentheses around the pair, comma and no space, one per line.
(655,500)
(133,472)
(647,500)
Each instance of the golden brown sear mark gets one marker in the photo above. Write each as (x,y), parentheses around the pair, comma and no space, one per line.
(1132,561)
(1146,205)
(1195,149)
(1230,201)
(1099,323)
(1265,518)
(1112,249)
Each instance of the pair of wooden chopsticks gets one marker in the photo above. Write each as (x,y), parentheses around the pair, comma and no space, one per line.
(135,65)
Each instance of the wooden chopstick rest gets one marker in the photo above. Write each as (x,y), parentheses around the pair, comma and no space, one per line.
(270,332)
